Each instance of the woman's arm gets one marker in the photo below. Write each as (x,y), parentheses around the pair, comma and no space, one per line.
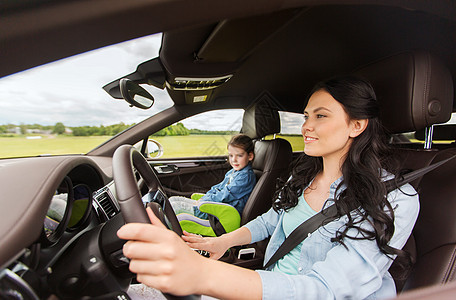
(162,260)
(225,281)
(217,246)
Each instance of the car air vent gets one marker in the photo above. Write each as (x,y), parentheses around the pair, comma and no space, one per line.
(104,204)
(192,84)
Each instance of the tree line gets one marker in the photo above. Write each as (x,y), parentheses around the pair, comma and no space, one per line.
(60,129)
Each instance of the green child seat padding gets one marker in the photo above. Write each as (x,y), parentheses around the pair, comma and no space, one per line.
(196,228)
(227,215)
(197,196)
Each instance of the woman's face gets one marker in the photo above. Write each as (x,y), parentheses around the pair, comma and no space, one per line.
(327,130)
(238,157)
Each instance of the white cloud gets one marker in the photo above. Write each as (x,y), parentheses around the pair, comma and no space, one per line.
(291,122)
(70,91)
(229,119)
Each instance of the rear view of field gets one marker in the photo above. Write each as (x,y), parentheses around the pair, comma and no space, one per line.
(206,145)
(174,146)
(20,146)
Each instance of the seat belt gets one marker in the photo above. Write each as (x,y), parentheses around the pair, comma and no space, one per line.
(329,214)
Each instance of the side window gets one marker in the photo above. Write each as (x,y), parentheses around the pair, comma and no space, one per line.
(290,130)
(444,135)
(205,134)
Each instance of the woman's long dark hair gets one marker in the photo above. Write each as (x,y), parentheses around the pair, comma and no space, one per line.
(369,154)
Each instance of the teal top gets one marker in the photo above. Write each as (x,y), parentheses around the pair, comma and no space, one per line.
(295,217)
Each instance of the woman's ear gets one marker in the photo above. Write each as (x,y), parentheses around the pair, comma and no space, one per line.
(358,126)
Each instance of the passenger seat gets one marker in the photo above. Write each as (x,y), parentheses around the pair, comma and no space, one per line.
(272,157)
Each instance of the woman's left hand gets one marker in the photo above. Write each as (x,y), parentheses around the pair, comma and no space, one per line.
(160,258)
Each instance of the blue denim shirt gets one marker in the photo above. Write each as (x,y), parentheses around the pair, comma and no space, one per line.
(234,190)
(328,270)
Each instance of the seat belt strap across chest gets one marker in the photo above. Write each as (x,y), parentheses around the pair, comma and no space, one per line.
(329,214)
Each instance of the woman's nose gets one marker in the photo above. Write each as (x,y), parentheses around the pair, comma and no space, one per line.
(306,126)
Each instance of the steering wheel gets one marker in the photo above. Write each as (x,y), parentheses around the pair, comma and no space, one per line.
(125,160)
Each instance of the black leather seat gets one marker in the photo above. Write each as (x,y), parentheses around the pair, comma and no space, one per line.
(272,157)
(416,91)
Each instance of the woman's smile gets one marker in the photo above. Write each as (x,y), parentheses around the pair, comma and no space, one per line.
(308,139)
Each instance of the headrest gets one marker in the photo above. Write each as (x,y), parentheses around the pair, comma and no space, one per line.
(414,89)
(260,120)
(446,132)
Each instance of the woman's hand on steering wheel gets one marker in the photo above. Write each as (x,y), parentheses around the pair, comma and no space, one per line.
(160,258)
(126,162)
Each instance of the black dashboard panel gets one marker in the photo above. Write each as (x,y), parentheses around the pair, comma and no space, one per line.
(74,197)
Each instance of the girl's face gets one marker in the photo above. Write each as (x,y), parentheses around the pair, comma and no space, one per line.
(238,157)
(327,129)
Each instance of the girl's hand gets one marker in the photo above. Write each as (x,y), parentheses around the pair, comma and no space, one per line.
(214,245)
(160,258)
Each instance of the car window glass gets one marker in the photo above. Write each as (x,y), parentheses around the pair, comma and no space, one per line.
(61,108)
(205,134)
(418,137)
(290,130)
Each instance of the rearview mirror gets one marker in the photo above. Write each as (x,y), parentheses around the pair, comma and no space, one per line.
(135,94)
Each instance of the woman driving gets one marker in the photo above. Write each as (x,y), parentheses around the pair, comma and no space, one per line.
(346,162)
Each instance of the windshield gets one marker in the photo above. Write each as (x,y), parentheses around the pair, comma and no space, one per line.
(61,108)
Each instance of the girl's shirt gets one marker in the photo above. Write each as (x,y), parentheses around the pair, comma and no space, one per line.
(234,190)
(328,270)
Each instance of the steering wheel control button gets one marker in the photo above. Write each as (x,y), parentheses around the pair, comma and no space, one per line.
(70,285)
(118,259)
(95,268)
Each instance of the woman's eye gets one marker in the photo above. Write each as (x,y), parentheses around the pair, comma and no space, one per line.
(320,116)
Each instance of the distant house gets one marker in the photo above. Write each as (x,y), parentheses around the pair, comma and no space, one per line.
(33,131)
(14,130)
(38,131)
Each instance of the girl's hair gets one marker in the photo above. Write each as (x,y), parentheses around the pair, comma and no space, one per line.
(369,154)
(242,141)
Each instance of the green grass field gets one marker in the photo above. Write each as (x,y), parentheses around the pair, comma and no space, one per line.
(20,146)
(174,146)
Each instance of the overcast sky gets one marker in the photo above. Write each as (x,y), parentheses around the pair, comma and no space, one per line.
(70,91)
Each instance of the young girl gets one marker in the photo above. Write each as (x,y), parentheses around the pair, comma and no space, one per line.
(344,164)
(235,187)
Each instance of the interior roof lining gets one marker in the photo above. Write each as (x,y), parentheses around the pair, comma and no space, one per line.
(248,34)
(293,78)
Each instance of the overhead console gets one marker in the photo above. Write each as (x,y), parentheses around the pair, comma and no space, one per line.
(195,61)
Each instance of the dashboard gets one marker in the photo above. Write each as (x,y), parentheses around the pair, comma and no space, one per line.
(105,202)
(58,233)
